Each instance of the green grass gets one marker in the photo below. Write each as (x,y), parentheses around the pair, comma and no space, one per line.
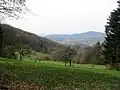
(55,76)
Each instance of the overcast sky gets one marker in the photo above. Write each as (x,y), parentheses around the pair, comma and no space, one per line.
(65,16)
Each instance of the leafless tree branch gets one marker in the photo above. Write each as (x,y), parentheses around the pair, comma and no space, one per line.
(12,8)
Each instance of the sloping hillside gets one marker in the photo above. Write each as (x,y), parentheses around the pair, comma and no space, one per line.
(90,38)
(13,36)
(27,75)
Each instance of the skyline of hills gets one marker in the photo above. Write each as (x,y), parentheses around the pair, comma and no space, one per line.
(89,38)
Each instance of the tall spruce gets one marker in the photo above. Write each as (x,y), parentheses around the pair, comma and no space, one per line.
(111,45)
(1,41)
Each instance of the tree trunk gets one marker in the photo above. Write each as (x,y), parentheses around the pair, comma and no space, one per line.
(1,41)
(70,62)
(117,53)
(20,56)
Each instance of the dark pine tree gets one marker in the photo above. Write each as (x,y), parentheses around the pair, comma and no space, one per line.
(111,45)
(1,41)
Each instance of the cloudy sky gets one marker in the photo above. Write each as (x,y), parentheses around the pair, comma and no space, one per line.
(65,16)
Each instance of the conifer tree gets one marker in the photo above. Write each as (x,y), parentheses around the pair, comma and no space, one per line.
(1,42)
(111,45)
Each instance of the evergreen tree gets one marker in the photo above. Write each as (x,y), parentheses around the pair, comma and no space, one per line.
(1,41)
(111,44)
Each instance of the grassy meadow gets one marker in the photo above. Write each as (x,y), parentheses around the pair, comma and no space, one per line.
(53,75)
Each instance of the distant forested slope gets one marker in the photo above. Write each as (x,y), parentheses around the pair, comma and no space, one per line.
(13,36)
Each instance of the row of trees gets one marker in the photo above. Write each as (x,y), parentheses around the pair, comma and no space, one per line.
(11,51)
(90,54)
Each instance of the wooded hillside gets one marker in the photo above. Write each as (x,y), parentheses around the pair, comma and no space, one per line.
(13,36)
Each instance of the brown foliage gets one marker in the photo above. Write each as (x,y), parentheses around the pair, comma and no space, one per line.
(11,83)
(113,66)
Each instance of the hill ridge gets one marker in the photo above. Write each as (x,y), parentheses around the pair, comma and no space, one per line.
(82,38)
(13,36)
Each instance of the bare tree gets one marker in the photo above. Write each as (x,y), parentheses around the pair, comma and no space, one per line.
(12,8)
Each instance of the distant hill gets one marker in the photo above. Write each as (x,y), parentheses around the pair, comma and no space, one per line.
(88,38)
(13,36)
